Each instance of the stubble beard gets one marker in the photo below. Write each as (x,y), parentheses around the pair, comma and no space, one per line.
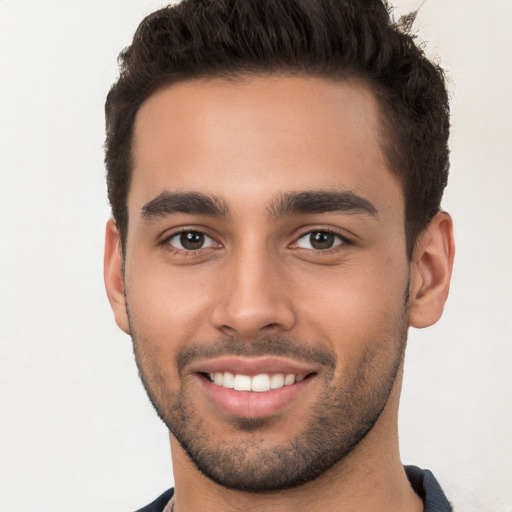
(340,419)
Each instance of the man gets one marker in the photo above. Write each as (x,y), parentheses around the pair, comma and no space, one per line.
(275,171)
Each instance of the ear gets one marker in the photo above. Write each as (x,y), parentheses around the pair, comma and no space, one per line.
(113,275)
(431,271)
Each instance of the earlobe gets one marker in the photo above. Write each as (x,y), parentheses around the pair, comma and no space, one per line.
(113,275)
(431,270)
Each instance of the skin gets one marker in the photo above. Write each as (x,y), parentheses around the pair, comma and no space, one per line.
(248,143)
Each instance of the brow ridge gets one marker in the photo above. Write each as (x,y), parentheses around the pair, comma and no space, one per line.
(321,201)
(168,203)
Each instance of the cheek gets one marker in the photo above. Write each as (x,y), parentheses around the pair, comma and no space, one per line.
(166,305)
(359,306)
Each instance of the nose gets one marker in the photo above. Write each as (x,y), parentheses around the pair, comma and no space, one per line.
(255,298)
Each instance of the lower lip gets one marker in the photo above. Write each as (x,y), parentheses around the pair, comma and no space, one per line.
(253,404)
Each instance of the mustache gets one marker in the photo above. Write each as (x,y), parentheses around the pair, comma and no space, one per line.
(265,346)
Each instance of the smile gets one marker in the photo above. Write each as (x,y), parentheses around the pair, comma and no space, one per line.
(254,387)
(259,383)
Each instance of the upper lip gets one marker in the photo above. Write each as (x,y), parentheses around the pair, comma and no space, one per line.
(252,366)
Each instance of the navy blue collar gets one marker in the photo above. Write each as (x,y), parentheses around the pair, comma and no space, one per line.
(428,489)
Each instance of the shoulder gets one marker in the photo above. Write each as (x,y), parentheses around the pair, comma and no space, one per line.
(427,487)
(159,504)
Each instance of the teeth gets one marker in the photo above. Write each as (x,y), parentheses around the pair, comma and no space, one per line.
(277,381)
(242,383)
(289,379)
(259,383)
(228,380)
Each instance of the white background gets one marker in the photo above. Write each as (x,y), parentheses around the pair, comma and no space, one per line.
(77,432)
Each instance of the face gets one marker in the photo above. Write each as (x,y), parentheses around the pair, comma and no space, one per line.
(265,273)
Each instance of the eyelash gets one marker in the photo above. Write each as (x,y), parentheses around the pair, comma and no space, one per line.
(164,242)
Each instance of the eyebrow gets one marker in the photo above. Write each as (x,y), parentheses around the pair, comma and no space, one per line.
(311,201)
(168,203)
(321,201)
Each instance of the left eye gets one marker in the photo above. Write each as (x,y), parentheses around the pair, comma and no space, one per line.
(191,241)
(319,240)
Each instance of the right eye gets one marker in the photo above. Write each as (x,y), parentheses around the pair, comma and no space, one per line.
(320,240)
(190,241)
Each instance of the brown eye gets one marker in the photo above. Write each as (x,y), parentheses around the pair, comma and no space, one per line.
(319,240)
(191,241)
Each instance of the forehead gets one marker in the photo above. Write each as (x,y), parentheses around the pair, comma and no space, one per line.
(255,137)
